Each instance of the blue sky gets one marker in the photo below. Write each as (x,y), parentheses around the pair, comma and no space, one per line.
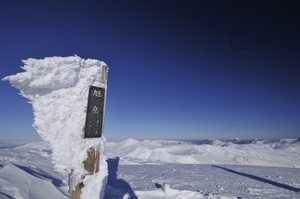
(178,69)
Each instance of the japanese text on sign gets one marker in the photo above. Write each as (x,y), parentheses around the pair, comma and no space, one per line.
(94,115)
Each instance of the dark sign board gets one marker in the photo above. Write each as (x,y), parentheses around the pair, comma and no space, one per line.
(94,113)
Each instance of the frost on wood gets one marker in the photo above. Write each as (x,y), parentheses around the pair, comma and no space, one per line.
(57,88)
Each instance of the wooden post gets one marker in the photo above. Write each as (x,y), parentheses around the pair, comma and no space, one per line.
(91,165)
(94,131)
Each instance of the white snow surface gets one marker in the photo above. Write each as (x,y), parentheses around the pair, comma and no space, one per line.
(57,88)
(26,171)
(282,153)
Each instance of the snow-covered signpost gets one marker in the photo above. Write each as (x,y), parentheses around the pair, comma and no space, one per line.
(68,96)
(94,125)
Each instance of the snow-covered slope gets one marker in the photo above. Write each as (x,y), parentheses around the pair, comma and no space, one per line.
(282,153)
(27,182)
(27,173)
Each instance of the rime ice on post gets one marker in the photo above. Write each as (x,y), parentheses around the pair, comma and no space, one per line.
(58,89)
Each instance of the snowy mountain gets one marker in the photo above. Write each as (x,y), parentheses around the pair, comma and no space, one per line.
(139,169)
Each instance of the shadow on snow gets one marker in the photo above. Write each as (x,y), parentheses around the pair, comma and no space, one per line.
(117,188)
(56,182)
(6,195)
(277,184)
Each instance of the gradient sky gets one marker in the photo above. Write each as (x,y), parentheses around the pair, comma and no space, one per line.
(178,69)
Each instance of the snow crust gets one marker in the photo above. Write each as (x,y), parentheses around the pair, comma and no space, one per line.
(57,88)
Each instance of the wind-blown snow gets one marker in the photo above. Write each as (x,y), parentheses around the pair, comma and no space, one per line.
(57,88)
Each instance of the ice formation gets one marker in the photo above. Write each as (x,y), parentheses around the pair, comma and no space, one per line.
(57,88)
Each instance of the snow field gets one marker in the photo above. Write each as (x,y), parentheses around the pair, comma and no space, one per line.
(260,154)
(26,171)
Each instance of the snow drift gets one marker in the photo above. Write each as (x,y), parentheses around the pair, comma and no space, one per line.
(57,88)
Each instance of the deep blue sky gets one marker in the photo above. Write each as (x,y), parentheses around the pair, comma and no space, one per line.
(178,69)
